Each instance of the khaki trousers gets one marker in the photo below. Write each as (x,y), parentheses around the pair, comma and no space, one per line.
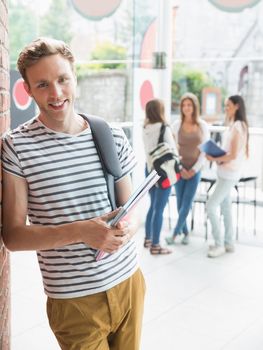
(106,320)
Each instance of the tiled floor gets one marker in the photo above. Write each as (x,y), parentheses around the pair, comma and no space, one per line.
(192,302)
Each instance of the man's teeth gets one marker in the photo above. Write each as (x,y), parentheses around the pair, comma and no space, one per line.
(57,104)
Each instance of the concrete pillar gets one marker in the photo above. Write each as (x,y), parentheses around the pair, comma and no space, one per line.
(164,51)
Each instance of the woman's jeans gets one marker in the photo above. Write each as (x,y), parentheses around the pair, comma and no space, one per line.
(185,192)
(154,219)
(221,197)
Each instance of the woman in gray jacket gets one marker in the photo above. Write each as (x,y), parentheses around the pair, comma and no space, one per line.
(154,119)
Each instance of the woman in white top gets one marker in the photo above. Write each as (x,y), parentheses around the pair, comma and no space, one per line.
(154,119)
(189,132)
(229,167)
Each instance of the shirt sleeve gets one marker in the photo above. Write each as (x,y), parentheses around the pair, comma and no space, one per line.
(239,127)
(125,152)
(9,157)
(168,137)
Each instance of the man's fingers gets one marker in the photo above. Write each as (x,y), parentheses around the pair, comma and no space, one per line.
(122,224)
(110,215)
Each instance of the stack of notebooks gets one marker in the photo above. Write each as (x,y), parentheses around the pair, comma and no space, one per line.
(148,182)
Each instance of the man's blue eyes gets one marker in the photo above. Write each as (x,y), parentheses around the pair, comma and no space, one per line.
(61,81)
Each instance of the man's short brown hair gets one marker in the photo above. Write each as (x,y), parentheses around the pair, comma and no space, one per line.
(39,48)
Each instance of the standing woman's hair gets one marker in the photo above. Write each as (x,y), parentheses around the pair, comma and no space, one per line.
(196,113)
(154,112)
(240,114)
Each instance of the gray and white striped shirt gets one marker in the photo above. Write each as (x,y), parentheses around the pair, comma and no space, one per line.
(65,184)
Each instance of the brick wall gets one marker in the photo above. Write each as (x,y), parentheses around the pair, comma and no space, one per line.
(4,124)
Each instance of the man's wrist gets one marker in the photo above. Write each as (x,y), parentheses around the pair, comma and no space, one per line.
(76,231)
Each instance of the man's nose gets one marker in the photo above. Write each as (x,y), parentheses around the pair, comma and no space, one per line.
(55,90)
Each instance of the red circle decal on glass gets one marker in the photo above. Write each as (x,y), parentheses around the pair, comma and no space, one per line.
(234,5)
(96,9)
(146,93)
(21,98)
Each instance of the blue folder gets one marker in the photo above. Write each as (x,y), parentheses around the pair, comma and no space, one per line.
(212,149)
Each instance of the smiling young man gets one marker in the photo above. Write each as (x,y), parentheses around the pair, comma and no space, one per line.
(52,175)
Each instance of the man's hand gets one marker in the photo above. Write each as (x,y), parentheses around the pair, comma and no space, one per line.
(98,233)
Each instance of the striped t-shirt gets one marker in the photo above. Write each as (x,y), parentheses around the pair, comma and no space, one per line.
(65,184)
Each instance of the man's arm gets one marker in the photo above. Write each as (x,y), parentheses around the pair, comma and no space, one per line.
(19,236)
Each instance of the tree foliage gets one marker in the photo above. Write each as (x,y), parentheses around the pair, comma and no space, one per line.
(25,24)
(109,51)
(187,79)
(56,23)
(22,28)
(106,51)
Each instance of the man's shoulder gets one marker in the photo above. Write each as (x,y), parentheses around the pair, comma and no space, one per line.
(118,133)
(22,129)
(116,130)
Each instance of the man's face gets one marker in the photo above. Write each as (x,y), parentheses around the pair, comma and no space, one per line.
(52,84)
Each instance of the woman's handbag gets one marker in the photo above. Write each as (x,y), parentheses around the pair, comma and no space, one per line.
(166,162)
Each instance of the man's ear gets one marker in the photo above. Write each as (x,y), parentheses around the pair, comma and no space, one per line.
(27,88)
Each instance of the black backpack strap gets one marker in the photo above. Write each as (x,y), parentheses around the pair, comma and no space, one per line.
(162,131)
(107,152)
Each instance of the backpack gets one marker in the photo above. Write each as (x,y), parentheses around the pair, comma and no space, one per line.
(166,162)
(107,152)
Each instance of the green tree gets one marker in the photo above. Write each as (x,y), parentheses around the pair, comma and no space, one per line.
(103,52)
(22,28)
(123,27)
(196,81)
(56,23)
(187,79)
(109,51)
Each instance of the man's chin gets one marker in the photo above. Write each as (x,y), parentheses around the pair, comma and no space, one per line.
(53,117)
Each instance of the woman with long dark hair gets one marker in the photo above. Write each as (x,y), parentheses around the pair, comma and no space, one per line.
(229,167)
